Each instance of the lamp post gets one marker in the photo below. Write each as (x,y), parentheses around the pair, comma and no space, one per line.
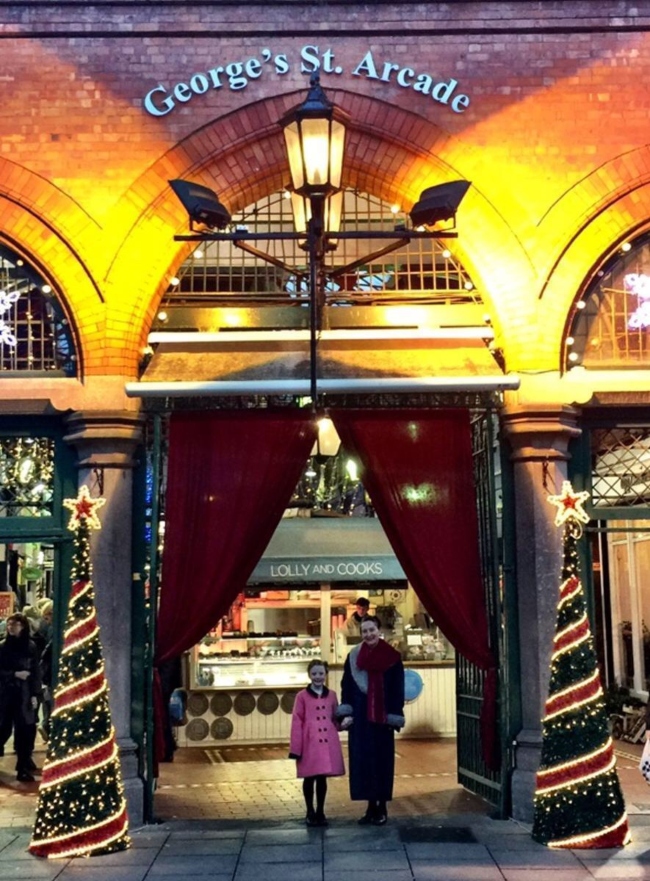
(314,135)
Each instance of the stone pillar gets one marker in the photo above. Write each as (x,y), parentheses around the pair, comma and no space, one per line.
(539,436)
(105,443)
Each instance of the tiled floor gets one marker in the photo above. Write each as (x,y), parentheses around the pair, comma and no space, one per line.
(246,782)
(250,783)
(237,815)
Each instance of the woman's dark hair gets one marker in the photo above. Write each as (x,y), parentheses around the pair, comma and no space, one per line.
(373,618)
(18,616)
(316,662)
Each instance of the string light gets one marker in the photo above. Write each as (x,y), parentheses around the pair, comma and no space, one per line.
(81,805)
(578,801)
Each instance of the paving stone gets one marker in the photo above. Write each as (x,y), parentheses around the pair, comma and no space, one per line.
(359,860)
(134,856)
(296,853)
(295,835)
(544,857)
(191,865)
(278,872)
(373,875)
(459,872)
(199,846)
(547,874)
(448,852)
(96,873)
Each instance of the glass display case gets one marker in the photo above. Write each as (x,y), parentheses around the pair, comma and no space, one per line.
(269,636)
(233,662)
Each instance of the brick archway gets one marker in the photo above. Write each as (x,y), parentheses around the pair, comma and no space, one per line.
(392,153)
(55,235)
(597,215)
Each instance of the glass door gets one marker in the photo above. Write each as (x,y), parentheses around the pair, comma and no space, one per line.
(628,545)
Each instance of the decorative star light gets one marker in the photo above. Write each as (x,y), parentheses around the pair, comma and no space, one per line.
(569,505)
(84,509)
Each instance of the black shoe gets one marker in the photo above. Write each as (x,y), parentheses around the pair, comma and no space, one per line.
(311,819)
(321,819)
(380,819)
(25,777)
(367,819)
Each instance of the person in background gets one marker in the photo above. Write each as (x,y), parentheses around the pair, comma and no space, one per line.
(45,608)
(352,626)
(373,696)
(20,689)
(315,740)
(171,678)
(34,619)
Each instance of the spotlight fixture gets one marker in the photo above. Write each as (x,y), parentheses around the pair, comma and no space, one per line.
(439,203)
(201,203)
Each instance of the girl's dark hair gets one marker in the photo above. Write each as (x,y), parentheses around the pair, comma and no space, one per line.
(316,662)
(373,618)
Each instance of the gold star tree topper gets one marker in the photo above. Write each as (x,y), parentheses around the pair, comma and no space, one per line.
(84,509)
(569,505)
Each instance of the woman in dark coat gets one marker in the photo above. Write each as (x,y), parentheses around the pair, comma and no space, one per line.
(372,693)
(20,688)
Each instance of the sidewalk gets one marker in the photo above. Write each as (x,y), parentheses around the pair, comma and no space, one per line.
(467,848)
(237,816)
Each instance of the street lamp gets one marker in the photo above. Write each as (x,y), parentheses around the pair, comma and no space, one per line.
(314,136)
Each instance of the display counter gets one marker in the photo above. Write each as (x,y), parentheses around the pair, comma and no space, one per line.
(242,678)
(254,661)
(257,706)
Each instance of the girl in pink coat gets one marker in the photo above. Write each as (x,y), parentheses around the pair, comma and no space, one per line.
(315,740)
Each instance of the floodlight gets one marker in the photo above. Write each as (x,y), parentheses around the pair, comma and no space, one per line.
(439,203)
(201,203)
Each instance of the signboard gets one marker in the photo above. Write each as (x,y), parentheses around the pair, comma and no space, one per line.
(6,603)
(328,569)
(235,75)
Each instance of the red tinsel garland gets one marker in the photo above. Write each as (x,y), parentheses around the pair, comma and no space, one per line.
(577,695)
(552,778)
(84,840)
(84,764)
(571,636)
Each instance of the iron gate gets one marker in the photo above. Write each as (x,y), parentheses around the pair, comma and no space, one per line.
(472,770)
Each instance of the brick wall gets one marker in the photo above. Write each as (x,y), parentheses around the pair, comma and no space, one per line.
(553,139)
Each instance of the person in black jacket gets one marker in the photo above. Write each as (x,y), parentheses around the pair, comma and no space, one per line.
(20,688)
(372,693)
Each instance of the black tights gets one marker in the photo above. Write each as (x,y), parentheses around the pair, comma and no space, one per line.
(321,791)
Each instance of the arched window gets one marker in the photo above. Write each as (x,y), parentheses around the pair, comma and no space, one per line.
(610,326)
(35,336)
(358,272)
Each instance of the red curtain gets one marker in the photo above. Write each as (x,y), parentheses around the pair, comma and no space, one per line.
(418,472)
(229,479)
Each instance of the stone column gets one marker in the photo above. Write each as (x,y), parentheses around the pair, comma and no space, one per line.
(539,436)
(105,443)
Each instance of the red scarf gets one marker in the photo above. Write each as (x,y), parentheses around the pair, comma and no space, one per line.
(375,661)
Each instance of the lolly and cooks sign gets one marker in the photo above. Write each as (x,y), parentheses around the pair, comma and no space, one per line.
(329,569)
(236,75)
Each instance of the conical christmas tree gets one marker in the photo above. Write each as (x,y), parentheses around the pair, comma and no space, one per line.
(578,802)
(81,808)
